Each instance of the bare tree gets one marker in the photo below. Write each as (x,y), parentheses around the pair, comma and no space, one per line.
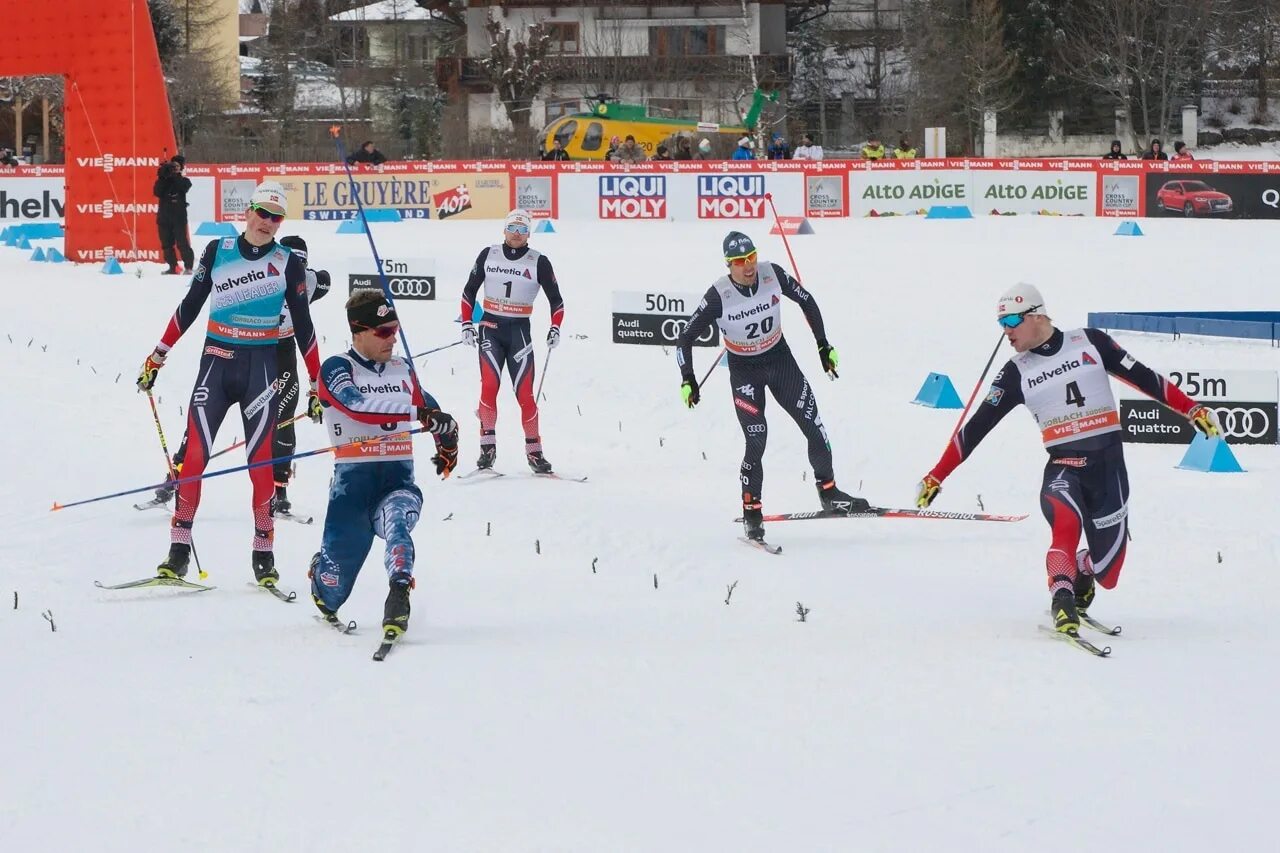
(1247,40)
(516,68)
(1141,53)
(988,66)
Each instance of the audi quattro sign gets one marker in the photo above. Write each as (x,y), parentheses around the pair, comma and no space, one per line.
(656,319)
(1244,400)
(409,278)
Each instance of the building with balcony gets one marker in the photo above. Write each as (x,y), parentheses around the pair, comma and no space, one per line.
(699,60)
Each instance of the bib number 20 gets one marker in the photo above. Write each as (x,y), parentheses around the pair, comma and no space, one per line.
(764,327)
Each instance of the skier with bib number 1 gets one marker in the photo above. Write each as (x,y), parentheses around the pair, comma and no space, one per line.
(746,303)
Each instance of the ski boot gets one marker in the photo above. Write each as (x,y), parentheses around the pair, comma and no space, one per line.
(328,615)
(280,500)
(166,492)
(834,500)
(1066,619)
(1084,586)
(175,565)
(264,568)
(753,521)
(395,615)
(538,463)
(488,455)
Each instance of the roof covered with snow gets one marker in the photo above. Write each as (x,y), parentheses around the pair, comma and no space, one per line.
(385,10)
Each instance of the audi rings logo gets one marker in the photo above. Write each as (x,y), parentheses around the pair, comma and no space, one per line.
(672,327)
(402,287)
(1241,422)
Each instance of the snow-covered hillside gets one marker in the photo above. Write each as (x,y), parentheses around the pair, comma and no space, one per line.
(573,679)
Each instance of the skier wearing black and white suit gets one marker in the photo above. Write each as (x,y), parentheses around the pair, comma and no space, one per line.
(747,306)
(318,283)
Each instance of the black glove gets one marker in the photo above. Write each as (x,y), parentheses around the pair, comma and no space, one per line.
(829,357)
(323,283)
(689,391)
(446,458)
(438,423)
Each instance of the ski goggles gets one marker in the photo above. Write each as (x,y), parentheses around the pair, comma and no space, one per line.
(267,214)
(749,257)
(1013,321)
(515,228)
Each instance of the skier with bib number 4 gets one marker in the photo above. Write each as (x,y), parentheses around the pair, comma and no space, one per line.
(747,305)
(511,274)
(1063,378)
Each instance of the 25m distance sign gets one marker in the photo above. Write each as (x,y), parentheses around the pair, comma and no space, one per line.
(1244,400)
(656,319)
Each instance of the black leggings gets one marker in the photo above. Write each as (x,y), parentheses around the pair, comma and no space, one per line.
(776,370)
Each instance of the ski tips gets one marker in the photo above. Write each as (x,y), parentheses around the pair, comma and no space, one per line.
(56,506)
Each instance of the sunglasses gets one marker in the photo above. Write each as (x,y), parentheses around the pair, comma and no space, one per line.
(266,214)
(389,330)
(518,229)
(1013,321)
(747,258)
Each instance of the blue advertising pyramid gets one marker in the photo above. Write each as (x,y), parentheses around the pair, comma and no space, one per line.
(937,392)
(1128,229)
(37,255)
(949,211)
(1211,455)
(544,226)
(112,267)
(55,257)
(216,229)
(352,226)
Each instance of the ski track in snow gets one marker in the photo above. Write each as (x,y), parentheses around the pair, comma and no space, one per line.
(536,705)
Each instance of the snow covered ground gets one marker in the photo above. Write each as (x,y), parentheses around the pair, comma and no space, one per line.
(601,695)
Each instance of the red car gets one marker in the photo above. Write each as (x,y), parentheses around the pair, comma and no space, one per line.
(1193,198)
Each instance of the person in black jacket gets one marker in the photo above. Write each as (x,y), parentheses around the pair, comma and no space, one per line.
(1116,152)
(1155,152)
(171,189)
(368,153)
(557,152)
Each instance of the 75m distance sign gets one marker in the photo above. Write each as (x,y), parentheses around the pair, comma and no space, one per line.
(656,319)
(408,278)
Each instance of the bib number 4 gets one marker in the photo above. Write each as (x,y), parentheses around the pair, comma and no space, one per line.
(1074,397)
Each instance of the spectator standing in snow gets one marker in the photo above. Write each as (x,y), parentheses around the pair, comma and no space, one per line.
(808,150)
(367,154)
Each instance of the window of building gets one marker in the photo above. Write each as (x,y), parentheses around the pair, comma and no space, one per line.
(560,107)
(417,48)
(564,37)
(686,41)
(675,108)
(594,136)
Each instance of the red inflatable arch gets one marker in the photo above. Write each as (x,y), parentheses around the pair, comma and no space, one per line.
(118,127)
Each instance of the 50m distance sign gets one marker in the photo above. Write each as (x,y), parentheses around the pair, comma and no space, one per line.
(656,319)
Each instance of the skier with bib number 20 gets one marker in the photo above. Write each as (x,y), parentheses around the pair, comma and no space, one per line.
(1063,378)
(747,305)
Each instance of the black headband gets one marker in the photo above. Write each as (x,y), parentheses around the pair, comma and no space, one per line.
(370,315)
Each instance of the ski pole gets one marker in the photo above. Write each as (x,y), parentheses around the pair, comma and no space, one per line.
(782,232)
(712,368)
(437,349)
(974,395)
(242,442)
(173,474)
(210,475)
(335,131)
(545,364)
